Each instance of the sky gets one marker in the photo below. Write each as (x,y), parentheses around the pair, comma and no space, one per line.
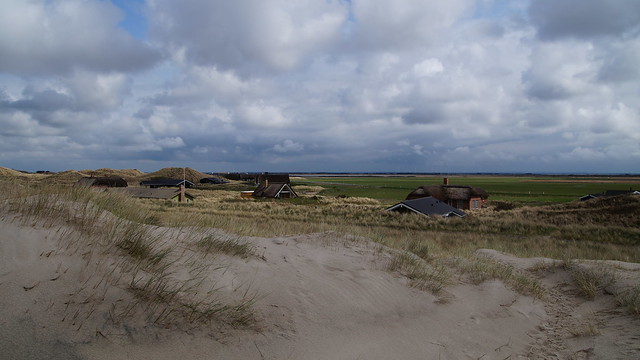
(451,86)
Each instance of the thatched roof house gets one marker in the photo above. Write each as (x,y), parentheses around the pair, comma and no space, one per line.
(107,181)
(458,196)
(272,178)
(428,206)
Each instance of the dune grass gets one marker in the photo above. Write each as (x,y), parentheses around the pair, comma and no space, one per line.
(438,249)
(111,233)
(630,298)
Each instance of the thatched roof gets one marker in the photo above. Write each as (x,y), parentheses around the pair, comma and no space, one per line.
(448,192)
(273,178)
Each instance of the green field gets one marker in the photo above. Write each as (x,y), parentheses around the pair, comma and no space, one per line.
(531,190)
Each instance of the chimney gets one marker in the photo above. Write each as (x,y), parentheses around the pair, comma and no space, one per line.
(446,181)
(266,182)
(181,196)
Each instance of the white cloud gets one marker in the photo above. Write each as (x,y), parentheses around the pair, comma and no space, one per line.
(288,146)
(244,34)
(326,85)
(52,37)
(261,115)
(428,67)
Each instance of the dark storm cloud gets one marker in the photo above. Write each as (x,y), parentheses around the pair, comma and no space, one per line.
(583,19)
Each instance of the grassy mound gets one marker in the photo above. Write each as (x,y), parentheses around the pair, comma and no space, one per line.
(9,172)
(125,173)
(176,173)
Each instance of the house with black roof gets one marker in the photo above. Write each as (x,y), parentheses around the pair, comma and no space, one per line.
(459,196)
(274,190)
(610,193)
(428,206)
(175,195)
(159,183)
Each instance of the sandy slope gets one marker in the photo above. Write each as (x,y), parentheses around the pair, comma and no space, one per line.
(318,297)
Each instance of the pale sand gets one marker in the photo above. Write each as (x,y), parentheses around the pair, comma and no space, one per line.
(318,297)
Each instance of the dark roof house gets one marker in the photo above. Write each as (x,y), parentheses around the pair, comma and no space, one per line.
(428,206)
(157,183)
(610,193)
(109,181)
(274,190)
(157,193)
(459,196)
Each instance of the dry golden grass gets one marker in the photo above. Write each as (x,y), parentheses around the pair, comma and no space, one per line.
(130,175)
(525,232)
(575,231)
(129,254)
(9,172)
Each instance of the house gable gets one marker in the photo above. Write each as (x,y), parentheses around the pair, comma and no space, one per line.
(274,190)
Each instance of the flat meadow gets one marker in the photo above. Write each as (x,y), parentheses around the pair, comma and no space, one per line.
(527,216)
(530,190)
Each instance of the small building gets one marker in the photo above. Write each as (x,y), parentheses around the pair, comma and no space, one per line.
(160,183)
(102,182)
(175,195)
(610,193)
(459,196)
(428,206)
(589,197)
(274,190)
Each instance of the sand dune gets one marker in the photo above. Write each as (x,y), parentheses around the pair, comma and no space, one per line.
(319,296)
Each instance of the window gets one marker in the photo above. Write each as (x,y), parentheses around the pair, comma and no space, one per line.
(475,204)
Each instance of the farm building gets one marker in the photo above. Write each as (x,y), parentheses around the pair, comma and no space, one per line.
(459,196)
(274,190)
(175,195)
(109,181)
(159,183)
(428,206)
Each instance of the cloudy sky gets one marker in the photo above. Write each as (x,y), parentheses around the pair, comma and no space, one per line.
(321,85)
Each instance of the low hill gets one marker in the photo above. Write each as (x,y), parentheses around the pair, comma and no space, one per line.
(623,211)
(68,177)
(10,172)
(176,173)
(131,176)
(124,173)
